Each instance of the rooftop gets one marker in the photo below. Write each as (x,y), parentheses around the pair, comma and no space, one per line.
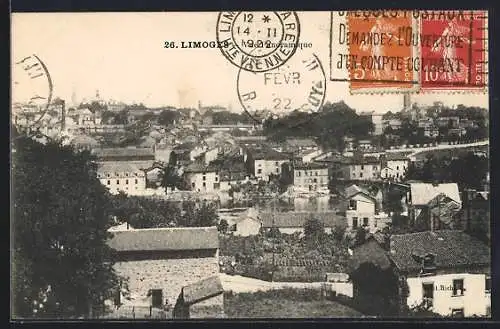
(354,189)
(122,166)
(451,248)
(165,239)
(202,290)
(268,154)
(422,193)
(309,166)
(295,219)
(104,153)
(197,167)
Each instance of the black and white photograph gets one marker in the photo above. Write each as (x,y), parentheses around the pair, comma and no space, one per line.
(250,165)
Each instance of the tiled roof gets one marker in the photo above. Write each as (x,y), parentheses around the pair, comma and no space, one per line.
(422,193)
(186,238)
(295,219)
(309,166)
(123,152)
(364,160)
(201,290)
(269,154)
(196,167)
(123,166)
(354,189)
(451,249)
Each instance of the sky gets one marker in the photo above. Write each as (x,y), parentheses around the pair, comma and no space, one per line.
(122,56)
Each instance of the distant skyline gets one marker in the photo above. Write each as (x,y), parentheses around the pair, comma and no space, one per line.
(122,56)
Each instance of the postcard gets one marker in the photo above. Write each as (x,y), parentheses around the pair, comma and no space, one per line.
(245,164)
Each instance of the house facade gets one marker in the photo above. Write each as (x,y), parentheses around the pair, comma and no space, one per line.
(265,163)
(438,278)
(364,169)
(123,176)
(158,263)
(394,167)
(446,272)
(202,178)
(362,210)
(310,176)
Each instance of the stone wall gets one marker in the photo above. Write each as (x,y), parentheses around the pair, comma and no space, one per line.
(170,275)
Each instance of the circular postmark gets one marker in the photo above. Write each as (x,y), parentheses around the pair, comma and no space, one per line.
(258,41)
(31,92)
(299,85)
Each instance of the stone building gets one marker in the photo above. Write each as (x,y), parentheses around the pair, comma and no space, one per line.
(157,263)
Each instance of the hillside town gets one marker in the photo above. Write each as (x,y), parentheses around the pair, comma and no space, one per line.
(371,214)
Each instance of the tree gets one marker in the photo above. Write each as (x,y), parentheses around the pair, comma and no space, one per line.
(223,226)
(61,215)
(392,201)
(167,117)
(360,237)
(286,177)
(313,229)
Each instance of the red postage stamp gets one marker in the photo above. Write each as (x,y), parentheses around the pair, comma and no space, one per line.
(454,51)
(381,53)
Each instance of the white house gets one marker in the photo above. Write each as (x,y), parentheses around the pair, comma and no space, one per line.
(394,166)
(202,178)
(310,176)
(448,271)
(123,176)
(267,163)
(360,210)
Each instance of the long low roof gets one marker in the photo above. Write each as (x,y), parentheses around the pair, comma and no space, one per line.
(165,239)
(296,219)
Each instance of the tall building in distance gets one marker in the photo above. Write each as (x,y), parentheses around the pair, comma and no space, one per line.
(406,101)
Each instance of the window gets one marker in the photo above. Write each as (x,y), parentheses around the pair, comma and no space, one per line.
(352,204)
(277,170)
(374,167)
(259,171)
(126,174)
(109,182)
(216,178)
(204,177)
(204,184)
(360,174)
(457,313)
(136,181)
(126,182)
(117,297)
(193,185)
(427,293)
(107,175)
(355,222)
(428,290)
(156,297)
(397,167)
(458,287)
(277,163)
(362,167)
(298,173)
(365,221)
(117,182)
(487,285)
